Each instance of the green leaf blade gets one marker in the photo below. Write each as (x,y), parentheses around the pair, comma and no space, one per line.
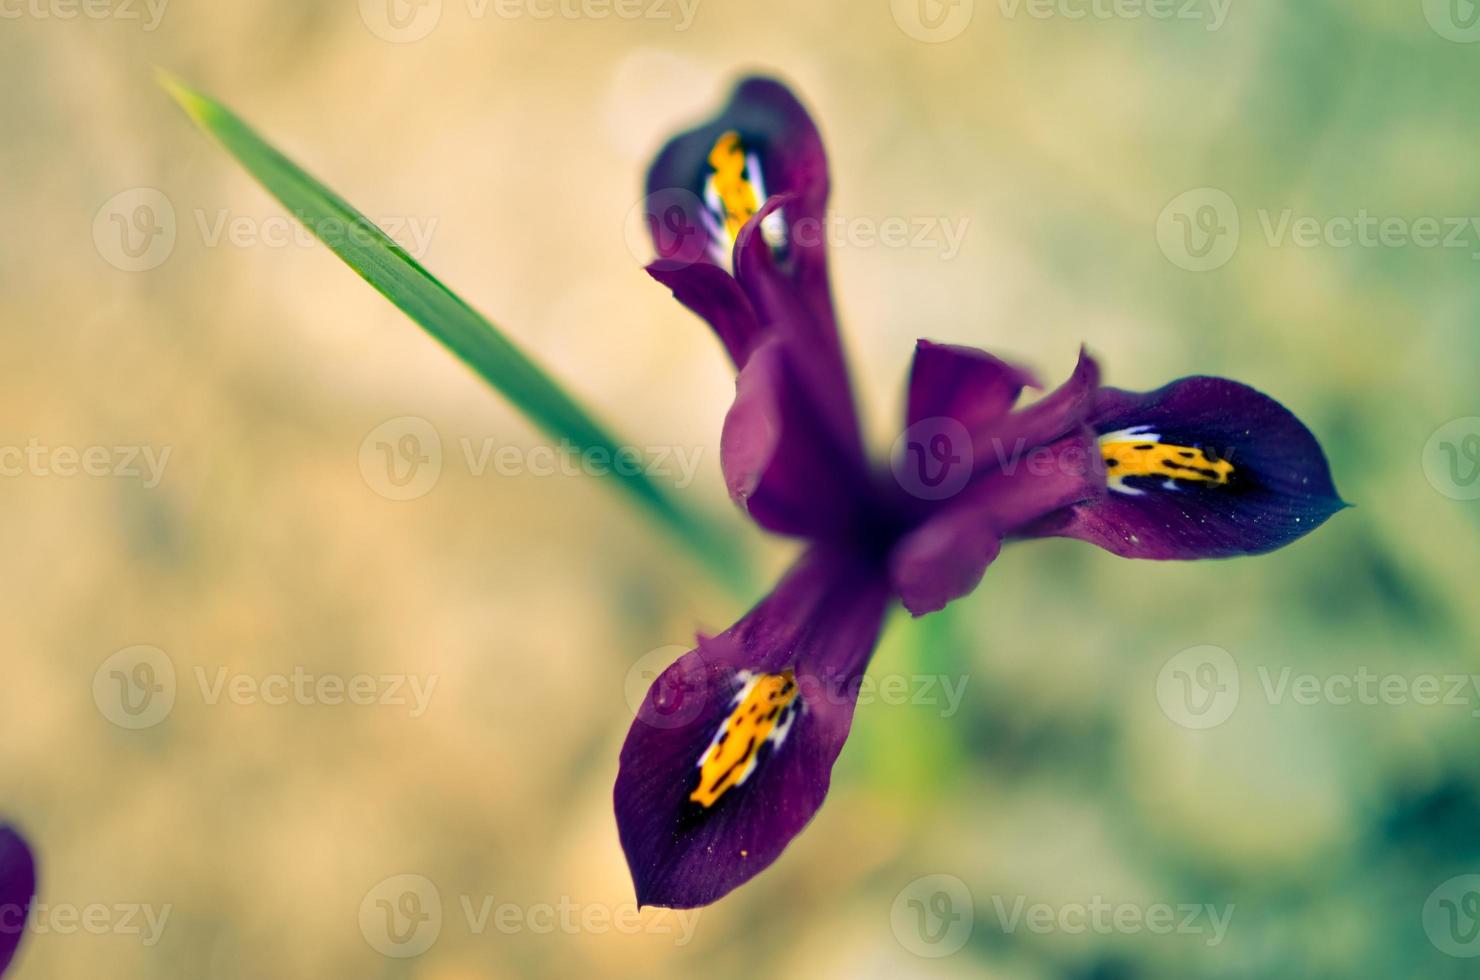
(396,275)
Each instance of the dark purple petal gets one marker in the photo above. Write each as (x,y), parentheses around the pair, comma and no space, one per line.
(780,463)
(946,556)
(717,298)
(17,889)
(693,833)
(1202,468)
(774,131)
(815,350)
(962,383)
(998,442)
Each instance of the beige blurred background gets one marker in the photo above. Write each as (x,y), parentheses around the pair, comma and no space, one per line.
(513,145)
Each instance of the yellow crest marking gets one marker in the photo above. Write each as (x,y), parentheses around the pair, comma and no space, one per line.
(763,713)
(1140,452)
(731,183)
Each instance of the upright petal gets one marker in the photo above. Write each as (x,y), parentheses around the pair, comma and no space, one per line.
(781,463)
(815,350)
(967,385)
(998,442)
(17,889)
(1202,468)
(945,557)
(732,750)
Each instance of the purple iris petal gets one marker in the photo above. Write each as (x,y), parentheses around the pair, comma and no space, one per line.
(773,127)
(815,350)
(1256,478)
(780,463)
(820,625)
(946,556)
(1056,414)
(718,299)
(962,383)
(17,889)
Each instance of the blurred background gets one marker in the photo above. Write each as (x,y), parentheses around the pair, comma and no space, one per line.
(237,482)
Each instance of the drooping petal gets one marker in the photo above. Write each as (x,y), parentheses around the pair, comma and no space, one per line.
(1201,468)
(780,462)
(717,298)
(946,556)
(732,750)
(967,385)
(17,889)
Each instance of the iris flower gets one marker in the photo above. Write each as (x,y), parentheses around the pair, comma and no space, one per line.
(17,888)
(732,750)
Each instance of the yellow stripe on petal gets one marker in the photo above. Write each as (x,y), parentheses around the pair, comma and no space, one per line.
(764,713)
(1139,451)
(729,184)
